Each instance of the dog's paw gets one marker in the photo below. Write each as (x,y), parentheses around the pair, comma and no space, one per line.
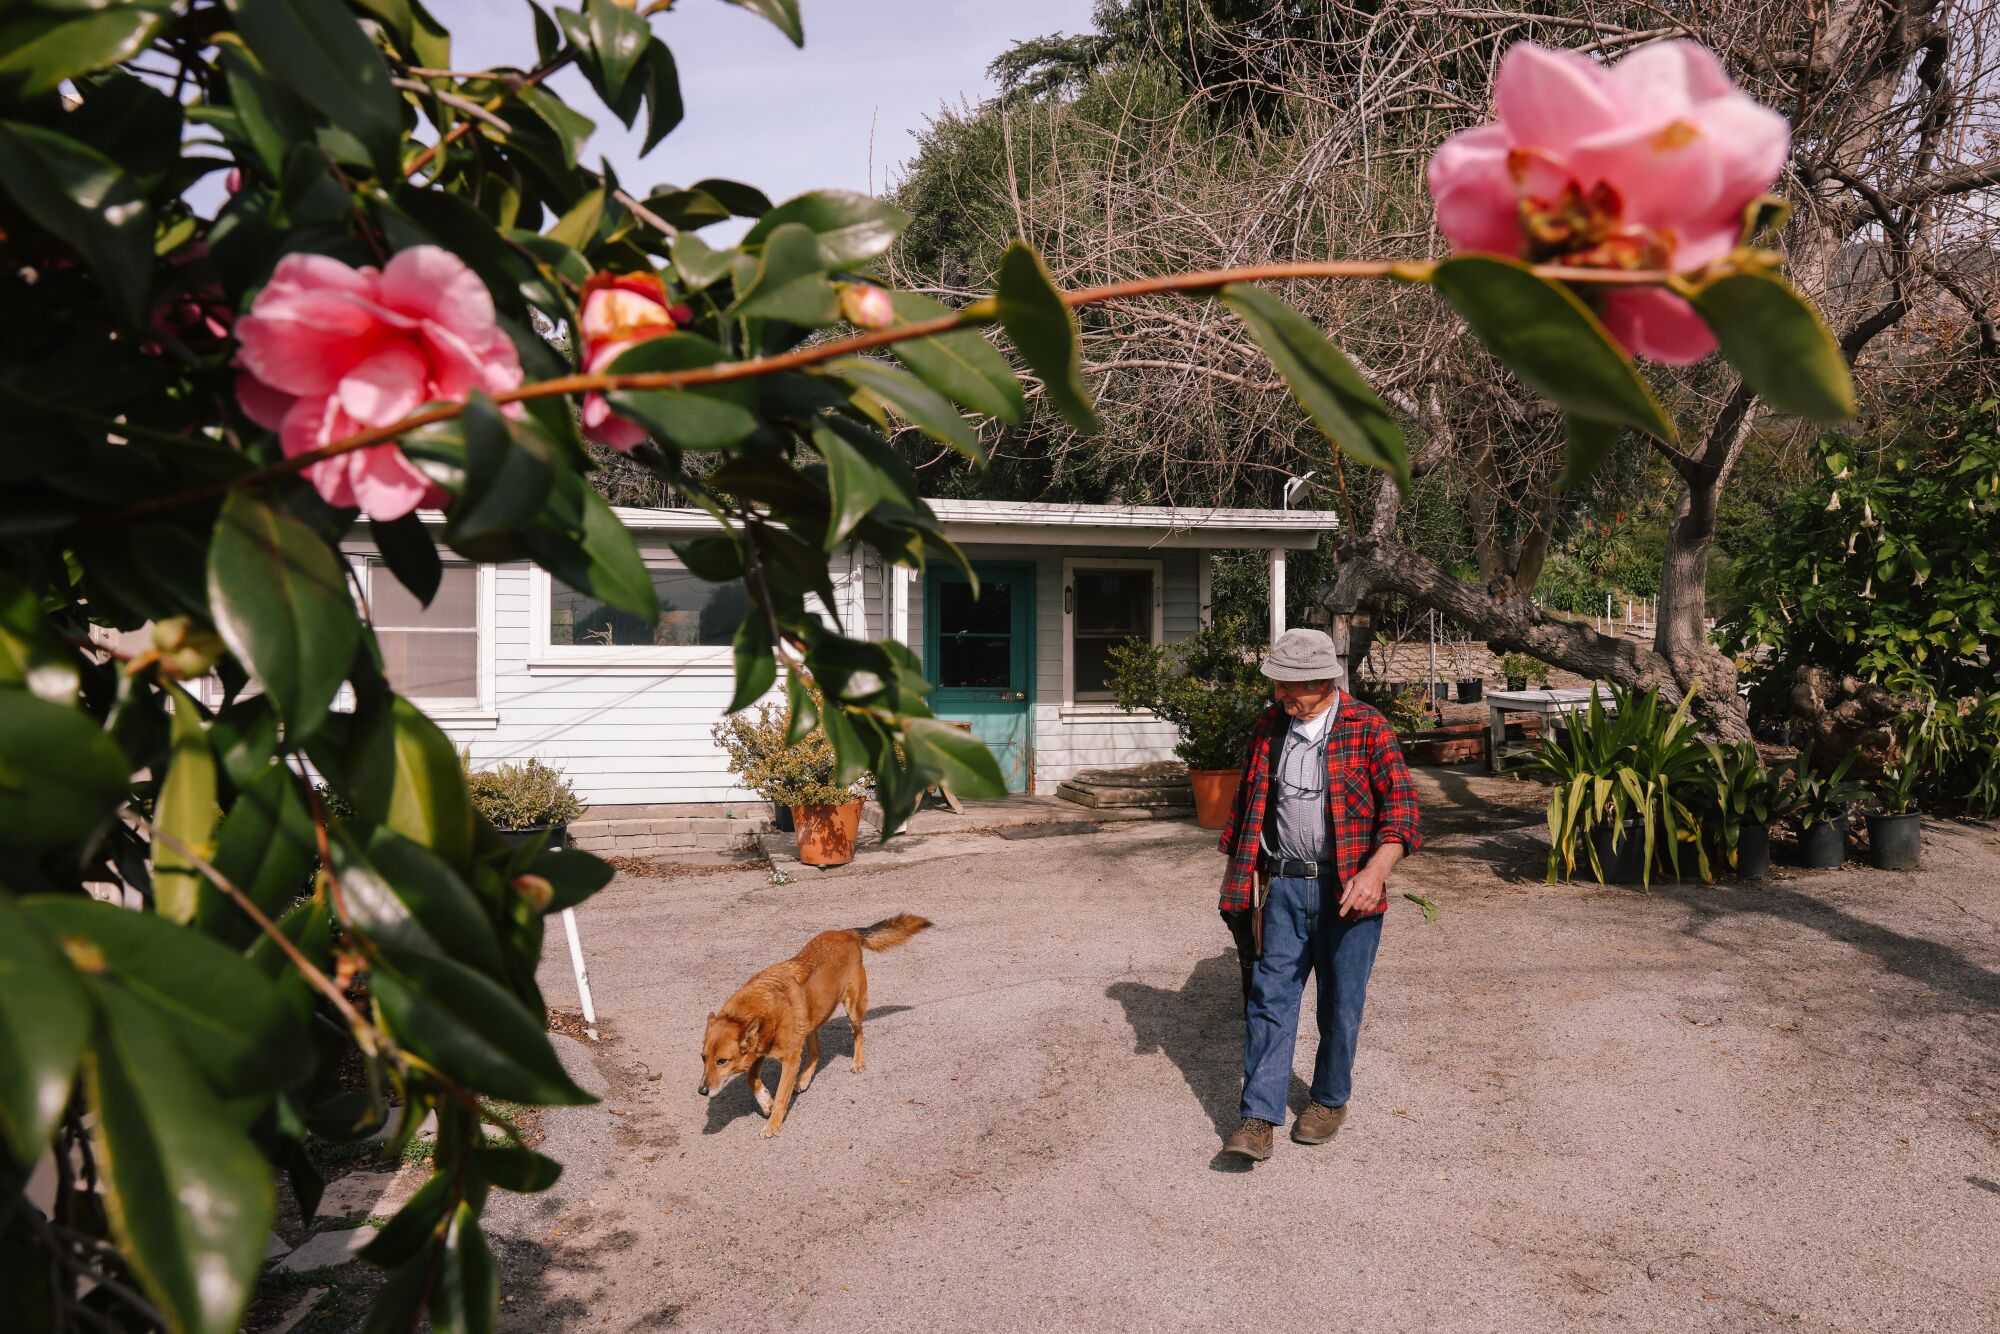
(860,1064)
(770,1132)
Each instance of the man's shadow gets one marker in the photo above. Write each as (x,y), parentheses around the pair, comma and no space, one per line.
(1200,1028)
(836,1041)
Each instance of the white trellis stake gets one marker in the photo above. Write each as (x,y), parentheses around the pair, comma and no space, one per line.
(582,976)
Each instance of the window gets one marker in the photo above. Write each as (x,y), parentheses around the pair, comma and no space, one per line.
(975,635)
(431,654)
(696,625)
(1105,604)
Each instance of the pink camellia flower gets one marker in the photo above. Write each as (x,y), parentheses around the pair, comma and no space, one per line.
(867,306)
(619,310)
(328,350)
(1649,163)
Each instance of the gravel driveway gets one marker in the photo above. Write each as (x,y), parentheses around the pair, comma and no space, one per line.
(1769,1107)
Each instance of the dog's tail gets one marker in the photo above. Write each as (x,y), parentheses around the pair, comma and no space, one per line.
(891,931)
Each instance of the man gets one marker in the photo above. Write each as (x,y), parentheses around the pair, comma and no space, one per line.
(1324,811)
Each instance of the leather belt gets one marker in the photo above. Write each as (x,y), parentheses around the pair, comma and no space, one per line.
(1285,868)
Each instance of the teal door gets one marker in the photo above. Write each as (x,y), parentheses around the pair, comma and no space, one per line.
(979,654)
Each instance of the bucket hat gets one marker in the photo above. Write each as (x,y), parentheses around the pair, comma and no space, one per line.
(1304,655)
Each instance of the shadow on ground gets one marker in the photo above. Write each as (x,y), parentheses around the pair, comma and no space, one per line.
(836,1042)
(1200,1029)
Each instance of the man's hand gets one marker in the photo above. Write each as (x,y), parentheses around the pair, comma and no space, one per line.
(1368,888)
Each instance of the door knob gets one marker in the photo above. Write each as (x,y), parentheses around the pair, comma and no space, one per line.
(1016,696)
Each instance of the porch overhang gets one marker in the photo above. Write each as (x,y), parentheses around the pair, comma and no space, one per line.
(1035,523)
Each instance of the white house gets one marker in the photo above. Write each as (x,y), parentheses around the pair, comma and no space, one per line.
(513,664)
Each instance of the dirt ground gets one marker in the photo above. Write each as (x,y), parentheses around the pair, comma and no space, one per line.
(1767,1107)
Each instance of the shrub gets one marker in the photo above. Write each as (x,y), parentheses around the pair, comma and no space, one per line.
(786,772)
(1638,762)
(1525,667)
(528,795)
(1208,686)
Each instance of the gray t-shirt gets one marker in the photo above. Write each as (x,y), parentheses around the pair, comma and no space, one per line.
(1298,783)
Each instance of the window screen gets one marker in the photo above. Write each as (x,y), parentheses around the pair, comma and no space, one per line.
(429,653)
(693,614)
(1112,606)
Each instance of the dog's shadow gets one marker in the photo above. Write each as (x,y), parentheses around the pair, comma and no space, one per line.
(836,1042)
(1200,1029)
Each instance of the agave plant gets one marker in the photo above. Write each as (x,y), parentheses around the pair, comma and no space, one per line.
(1816,798)
(1739,793)
(1901,780)
(1634,762)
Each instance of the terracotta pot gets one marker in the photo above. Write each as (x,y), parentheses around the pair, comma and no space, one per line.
(1214,794)
(826,833)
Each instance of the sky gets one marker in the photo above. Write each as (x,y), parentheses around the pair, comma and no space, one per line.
(838,114)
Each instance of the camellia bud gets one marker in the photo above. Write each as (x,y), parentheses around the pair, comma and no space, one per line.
(187,649)
(536,890)
(867,306)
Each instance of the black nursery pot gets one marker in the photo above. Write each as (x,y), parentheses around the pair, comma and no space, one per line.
(1823,845)
(1895,842)
(1622,853)
(1441,690)
(781,818)
(515,838)
(1470,690)
(1753,851)
(1517,683)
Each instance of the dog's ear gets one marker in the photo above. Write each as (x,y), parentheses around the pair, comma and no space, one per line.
(751,1034)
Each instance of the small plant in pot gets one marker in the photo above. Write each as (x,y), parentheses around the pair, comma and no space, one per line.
(790,762)
(1896,832)
(1818,804)
(525,802)
(1463,655)
(1209,687)
(1523,670)
(1626,787)
(1741,800)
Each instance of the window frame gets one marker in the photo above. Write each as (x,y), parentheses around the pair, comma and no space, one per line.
(455,711)
(547,658)
(1071,567)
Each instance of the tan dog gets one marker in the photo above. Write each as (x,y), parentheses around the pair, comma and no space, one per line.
(779,1011)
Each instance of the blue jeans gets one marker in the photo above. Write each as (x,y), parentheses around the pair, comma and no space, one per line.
(1300,939)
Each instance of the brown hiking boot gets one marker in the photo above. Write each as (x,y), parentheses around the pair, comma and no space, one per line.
(1252,1140)
(1317,1124)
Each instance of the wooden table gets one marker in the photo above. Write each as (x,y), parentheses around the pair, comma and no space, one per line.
(1549,704)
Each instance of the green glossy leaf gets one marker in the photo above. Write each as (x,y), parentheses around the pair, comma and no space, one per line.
(913,401)
(33,656)
(44,1022)
(783,13)
(664,110)
(572,129)
(81,197)
(698,265)
(1779,344)
(190,1197)
(801,711)
(1543,333)
(594,553)
(1032,312)
(270,117)
(232,1021)
(1586,445)
(61,777)
(282,606)
(744,201)
(756,666)
(135,125)
(851,228)
(399,895)
(41,51)
(267,843)
(708,417)
(1323,381)
(413,1225)
(940,752)
(466,1297)
(618,39)
(520,1170)
(406,775)
(319,51)
(186,810)
(471,1028)
(863,473)
(406,547)
(573,874)
(508,472)
(789,282)
(960,365)
(578,228)
(245,737)
(718,559)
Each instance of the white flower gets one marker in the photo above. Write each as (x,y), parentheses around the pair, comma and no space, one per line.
(1833,504)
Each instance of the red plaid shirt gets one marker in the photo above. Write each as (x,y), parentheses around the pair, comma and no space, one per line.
(1370,799)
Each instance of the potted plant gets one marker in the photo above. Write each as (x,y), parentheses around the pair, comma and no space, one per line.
(1896,832)
(525,802)
(1463,656)
(798,771)
(1740,801)
(1521,670)
(1818,803)
(1626,785)
(1209,687)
